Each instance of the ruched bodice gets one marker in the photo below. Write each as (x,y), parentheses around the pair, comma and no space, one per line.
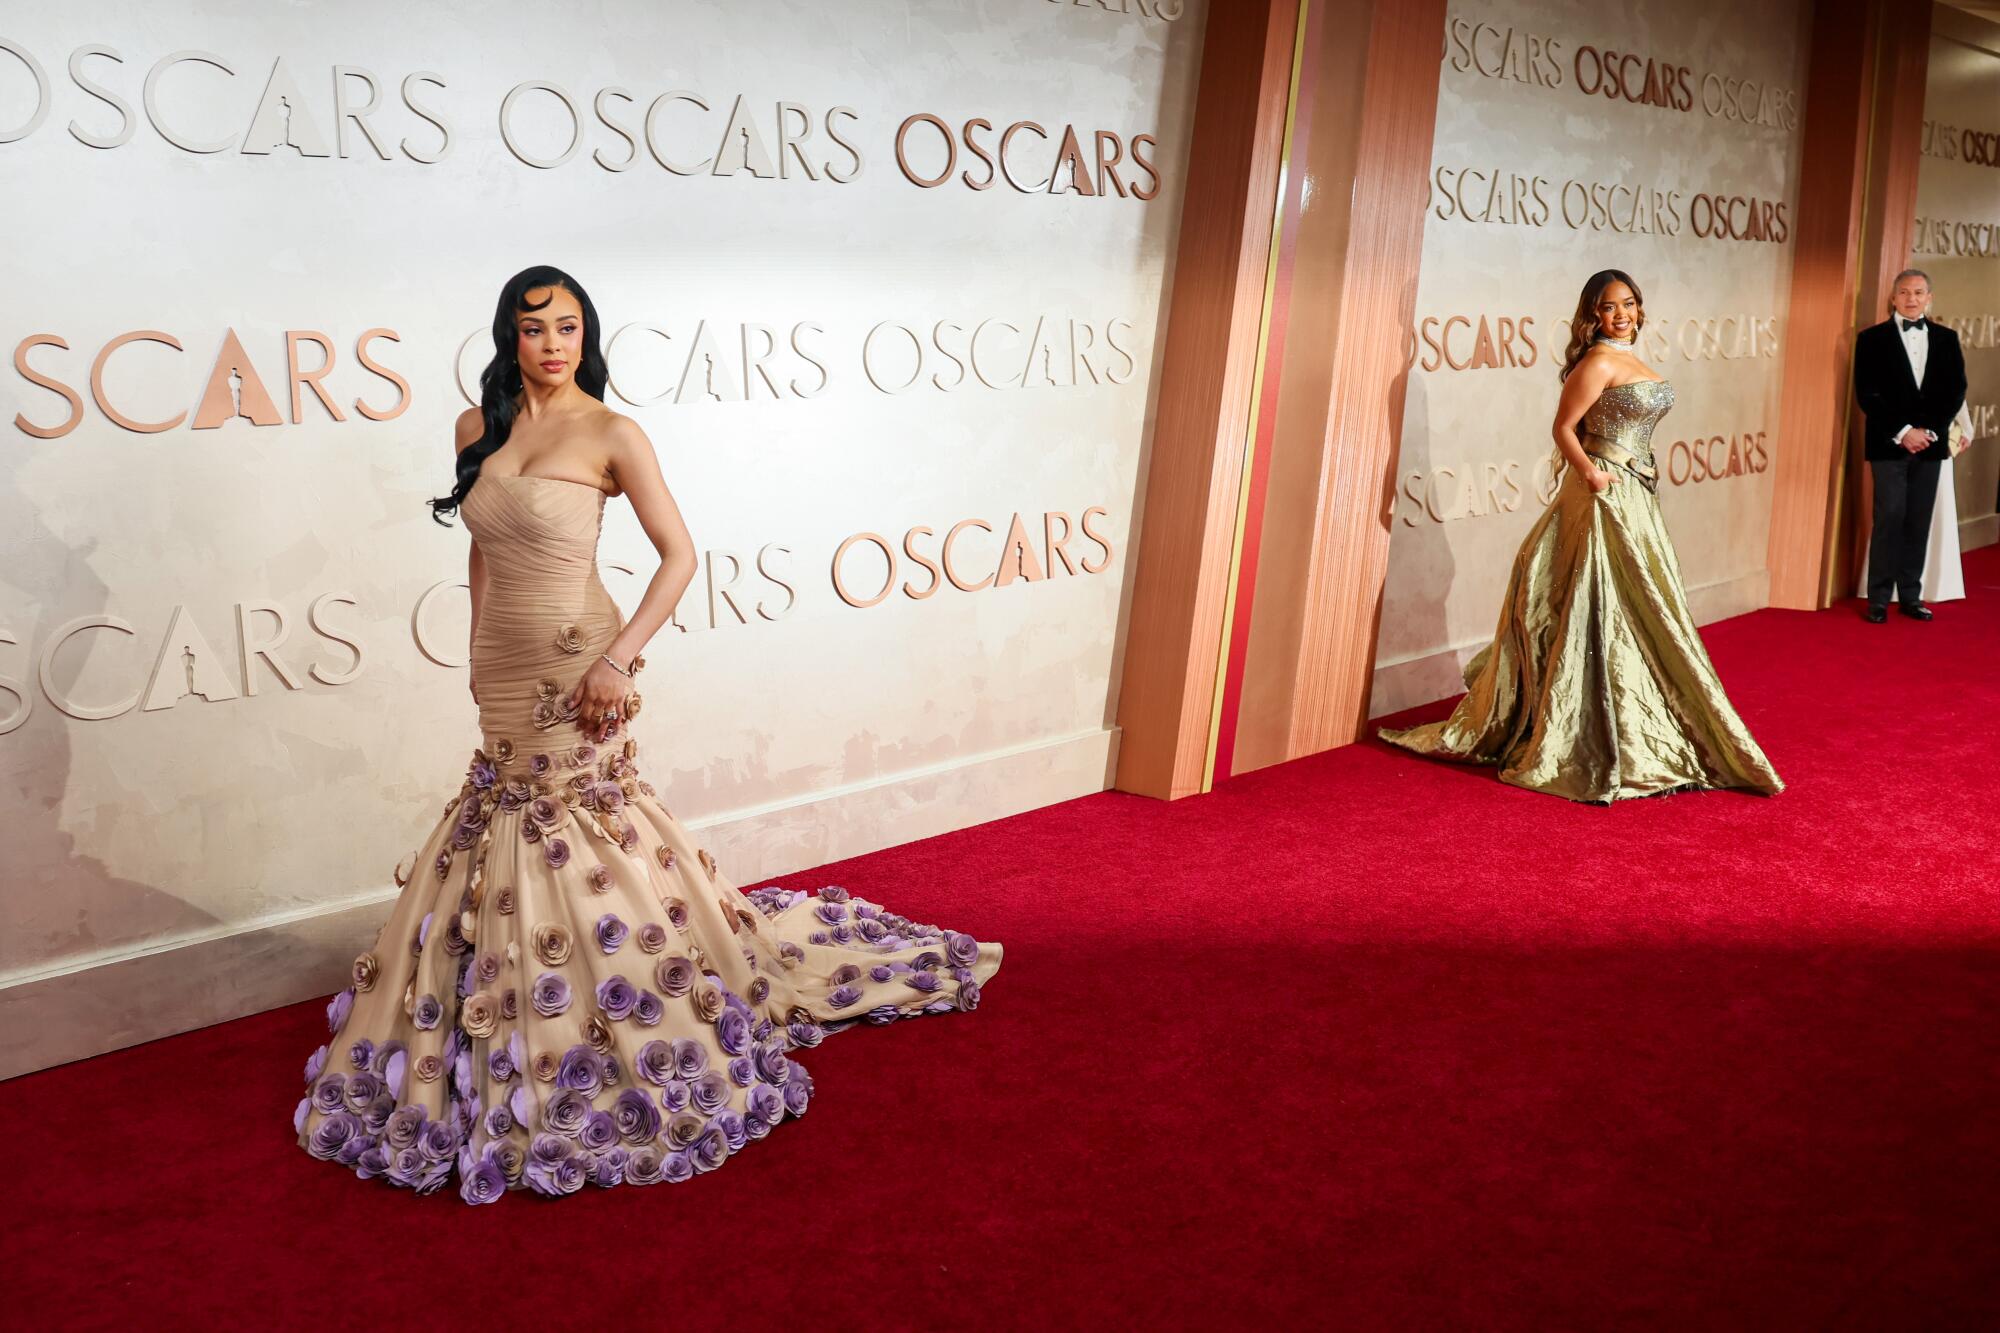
(546,615)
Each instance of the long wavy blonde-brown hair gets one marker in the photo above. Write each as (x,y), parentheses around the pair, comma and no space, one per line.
(1583,325)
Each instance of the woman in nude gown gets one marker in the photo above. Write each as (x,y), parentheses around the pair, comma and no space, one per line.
(1596,686)
(568,989)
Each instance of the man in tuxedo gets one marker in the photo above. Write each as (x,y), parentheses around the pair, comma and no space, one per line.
(1909,376)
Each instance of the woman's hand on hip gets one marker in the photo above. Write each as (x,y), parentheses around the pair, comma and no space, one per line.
(599,700)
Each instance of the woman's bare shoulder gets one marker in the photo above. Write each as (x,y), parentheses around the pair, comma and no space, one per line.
(471,424)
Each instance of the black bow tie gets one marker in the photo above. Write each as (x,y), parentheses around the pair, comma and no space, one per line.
(1905,325)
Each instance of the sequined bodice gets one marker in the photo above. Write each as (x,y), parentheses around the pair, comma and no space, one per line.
(1625,415)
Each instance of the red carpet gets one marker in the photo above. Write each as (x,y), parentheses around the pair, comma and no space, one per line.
(1360,1041)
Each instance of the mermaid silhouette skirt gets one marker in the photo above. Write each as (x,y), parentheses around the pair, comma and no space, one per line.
(567,989)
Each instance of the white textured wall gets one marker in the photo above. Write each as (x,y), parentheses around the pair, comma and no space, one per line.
(1958,239)
(1476,440)
(181,863)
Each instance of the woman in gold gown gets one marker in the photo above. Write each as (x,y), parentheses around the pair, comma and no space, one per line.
(568,990)
(1596,686)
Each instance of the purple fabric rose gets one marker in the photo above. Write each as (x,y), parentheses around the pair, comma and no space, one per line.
(833,893)
(483,774)
(565,1177)
(580,1070)
(690,1057)
(331,1094)
(968,996)
(843,996)
(831,913)
(616,996)
(643,1167)
(884,1013)
(655,1063)
(299,1114)
(338,1009)
(610,797)
(362,1054)
(804,1035)
(677,1168)
(541,766)
(499,1123)
(649,1010)
(772,1065)
(548,1149)
(926,982)
(610,933)
(767,1104)
(485,1183)
(556,852)
(376,1117)
(798,1092)
(551,995)
(637,1119)
(683,1128)
(742,1071)
(438,1142)
(353,1150)
(499,1064)
(565,1112)
(428,1012)
(674,1095)
(652,936)
(328,1136)
(731,1125)
(961,950)
(362,1090)
(611,1068)
(315,1063)
(675,975)
(608,1168)
(374,1162)
(710,1150)
(732,1032)
(881,972)
(599,1131)
(871,931)
(709,1093)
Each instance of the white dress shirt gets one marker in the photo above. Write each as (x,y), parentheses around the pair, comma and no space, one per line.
(1917,347)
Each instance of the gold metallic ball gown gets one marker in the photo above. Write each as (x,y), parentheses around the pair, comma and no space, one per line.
(567,989)
(1596,686)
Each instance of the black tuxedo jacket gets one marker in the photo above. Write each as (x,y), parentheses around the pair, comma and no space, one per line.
(1890,398)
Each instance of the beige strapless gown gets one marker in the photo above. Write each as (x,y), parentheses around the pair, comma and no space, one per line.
(1597,686)
(568,990)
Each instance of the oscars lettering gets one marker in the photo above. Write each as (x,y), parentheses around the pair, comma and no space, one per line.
(1021,157)
(232,387)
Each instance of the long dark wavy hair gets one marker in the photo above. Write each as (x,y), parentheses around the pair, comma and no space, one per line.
(1583,325)
(500,382)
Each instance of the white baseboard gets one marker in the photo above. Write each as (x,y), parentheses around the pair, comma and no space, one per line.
(93,1005)
(1410,681)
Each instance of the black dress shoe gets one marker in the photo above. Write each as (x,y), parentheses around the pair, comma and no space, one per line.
(1915,610)
(1876,613)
